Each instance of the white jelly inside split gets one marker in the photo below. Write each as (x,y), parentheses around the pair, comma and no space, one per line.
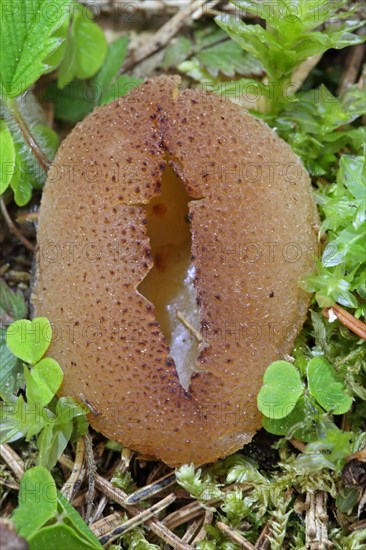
(169,284)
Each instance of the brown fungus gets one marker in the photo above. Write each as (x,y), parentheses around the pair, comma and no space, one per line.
(173,226)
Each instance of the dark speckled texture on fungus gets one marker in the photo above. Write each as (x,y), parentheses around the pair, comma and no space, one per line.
(252,238)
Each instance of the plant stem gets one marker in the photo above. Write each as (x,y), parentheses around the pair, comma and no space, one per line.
(27,135)
(12,226)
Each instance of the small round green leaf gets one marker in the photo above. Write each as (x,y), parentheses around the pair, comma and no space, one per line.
(281,389)
(326,388)
(37,501)
(43,381)
(7,154)
(29,340)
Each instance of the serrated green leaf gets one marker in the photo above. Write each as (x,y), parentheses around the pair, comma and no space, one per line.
(29,340)
(281,389)
(325,387)
(43,381)
(177,52)
(229,59)
(37,501)
(54,59)
(26,32)
(242,88)
(7,155)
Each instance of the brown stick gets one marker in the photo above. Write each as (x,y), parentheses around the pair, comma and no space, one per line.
(156,526)
(14,461)
(163,35)
(120,496)
(235,536)
(12,227)
(353,65)
(347,319)
(77,474)
(135,521)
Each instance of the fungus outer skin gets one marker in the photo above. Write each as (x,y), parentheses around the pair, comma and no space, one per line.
(253,237)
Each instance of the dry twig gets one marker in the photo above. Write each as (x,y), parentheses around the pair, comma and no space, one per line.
(13,228)
(152,489)
(77,474)
(156,526)
(163,35)
(202,533)
(316,521)
(91,471)
(235,536)
(352,65)
(135,521)
(14,461)
(347,319)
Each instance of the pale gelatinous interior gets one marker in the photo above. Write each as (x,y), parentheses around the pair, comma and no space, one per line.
(169,285)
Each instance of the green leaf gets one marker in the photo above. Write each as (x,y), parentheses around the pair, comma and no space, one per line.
(51,443)
(281,389)
(47,139)
(351,173)
(12,307)
(18,419)
(75,101)
(67,422)
(26,30)
(55,58)
(25,176)
(12,304)
(121,87)
(7,155)
(29,340)
(59,536)
(229,59)
(43,381)
(113,62)
(78,99)
(177,52)
(78,524)
(37,501)
(281,426)
(11,371)
(85,52)
(325,387)
(191,481)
